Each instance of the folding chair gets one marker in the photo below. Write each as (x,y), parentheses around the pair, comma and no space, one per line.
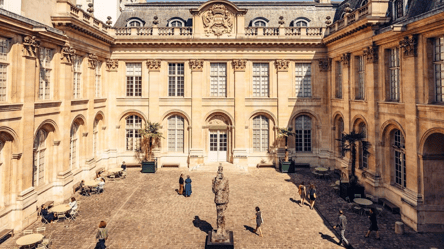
(47,241)
(381,209)
(112,177)
(41,246)
(25,232)
(40,230)
(73,215)
(45,221)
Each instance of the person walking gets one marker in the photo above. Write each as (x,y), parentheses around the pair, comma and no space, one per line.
(181,181)
(73,205)
(373,224)
(123,166)
(312,193)
(302,193)
(188,187)
(342,226)
(259,221)
(102,235)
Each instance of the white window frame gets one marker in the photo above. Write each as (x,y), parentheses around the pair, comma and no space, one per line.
(133,138)
(74,146)
(218,79)
(98,80)
(261,134)
(261,81)
(39,158)
(338,94)
(303,80)
(260,20)
(133,79)
(77,77)
(399,163)
(296,21)
(46,55)
(4,49)
(2,4)
(303,136)
(170,23)
(176,79)
(360,78)
(176,134)
(394,74)
(130,23)
(438,66)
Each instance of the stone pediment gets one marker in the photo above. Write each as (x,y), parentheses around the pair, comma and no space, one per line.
(218,18)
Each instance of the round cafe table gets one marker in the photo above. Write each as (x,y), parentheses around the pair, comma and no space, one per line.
(363,202)
(63,208)
(91,183)
(29,239)
(321,169)
(115,171)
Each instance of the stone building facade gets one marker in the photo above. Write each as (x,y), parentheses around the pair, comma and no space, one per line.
(220,77)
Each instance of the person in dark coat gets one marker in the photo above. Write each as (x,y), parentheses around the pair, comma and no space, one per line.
(259,221)
(181,181)
(50,217)
(123,166)
(373,224)
(188,187)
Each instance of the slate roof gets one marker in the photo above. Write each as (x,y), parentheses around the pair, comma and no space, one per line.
(269,10)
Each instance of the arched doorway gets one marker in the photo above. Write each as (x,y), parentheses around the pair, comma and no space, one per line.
(433,159)
(219,138)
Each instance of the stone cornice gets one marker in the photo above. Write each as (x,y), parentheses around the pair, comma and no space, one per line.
(67,22)
(218,43)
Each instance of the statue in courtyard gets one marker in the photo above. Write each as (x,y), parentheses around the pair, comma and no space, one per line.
(221,191)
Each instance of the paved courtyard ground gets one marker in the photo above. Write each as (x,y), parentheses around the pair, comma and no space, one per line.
(144,211)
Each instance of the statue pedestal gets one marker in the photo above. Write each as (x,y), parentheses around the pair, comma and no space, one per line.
(228,244)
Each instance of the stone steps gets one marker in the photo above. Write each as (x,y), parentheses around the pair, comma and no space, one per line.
(212,167)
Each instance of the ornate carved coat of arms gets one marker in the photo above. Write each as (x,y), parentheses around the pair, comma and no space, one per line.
(217,20)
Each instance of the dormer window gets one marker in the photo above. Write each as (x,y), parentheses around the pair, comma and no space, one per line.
(364,2)
(259,22)
(176,23)
(300,22)
(399,9)
(135,22)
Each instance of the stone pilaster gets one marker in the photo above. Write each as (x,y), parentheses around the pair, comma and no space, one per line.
(283,86)
(154,75)
(196,134)
(240,145)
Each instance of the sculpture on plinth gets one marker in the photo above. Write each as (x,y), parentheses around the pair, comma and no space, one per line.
(221,191)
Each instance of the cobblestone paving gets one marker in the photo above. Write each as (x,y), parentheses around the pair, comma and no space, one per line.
(144,211)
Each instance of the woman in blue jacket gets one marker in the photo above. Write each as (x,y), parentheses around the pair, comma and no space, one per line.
(188,187)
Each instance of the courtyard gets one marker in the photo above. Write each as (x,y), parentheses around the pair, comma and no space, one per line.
(144,211)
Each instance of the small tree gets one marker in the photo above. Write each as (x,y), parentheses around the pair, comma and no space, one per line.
(284,133)
(348,143)
(150,139)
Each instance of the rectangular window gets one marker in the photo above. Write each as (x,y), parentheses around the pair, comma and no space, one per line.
(134,79)
(303,80)
(4,48)
(260,134)
(98,82)
(77,67)
(260,79)
(338,80)
(2,3)
(46,55)
(218,76)
(394,74)
(360,77)
(176,79)
(175,133)
(439,69)
(3,72)
(399,6)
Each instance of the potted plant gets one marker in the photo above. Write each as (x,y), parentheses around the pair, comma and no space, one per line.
(150,139)
(284,133)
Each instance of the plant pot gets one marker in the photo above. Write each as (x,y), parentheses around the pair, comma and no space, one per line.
(285,166)
(149,167)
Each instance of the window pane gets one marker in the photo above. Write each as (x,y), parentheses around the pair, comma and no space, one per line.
(303,133)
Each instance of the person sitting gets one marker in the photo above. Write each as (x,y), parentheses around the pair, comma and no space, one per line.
(84,190)
(49,217)
(99,178)
(73,205)
(101,186)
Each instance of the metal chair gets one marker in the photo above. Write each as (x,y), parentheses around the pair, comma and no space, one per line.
(45,221)
(73,215)
(25,232)
(41,246)
(40,229)
(47,241)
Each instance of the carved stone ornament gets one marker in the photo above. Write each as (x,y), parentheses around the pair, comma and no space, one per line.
(218,120)
(345,58)
(92,60)
(281,20)
(409,45)
(324,64)
(109,22)
(239,65)
(30,46)
(91,8)
(68,53)
(328,22)
(371,53)
(112,64)
(153,65)
(196,65)
(217,20)
(156,20)
(282,65)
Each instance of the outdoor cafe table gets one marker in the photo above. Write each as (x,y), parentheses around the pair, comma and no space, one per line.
(321,169)
(29,239)
(61,209)
(363,202)
(91,183)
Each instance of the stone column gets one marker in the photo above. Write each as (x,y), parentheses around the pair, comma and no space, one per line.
(112,79)
(154,67)
(90,93)
(345,60)
(240,143)
(196,134)
(284,84)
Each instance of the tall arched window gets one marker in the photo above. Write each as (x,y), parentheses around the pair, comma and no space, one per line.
(363,158)
(175,133)
(133,125)
(95,137)
(303,133)
(398,152)
(339,135)
(260,134)
(73,153)
(39,158)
